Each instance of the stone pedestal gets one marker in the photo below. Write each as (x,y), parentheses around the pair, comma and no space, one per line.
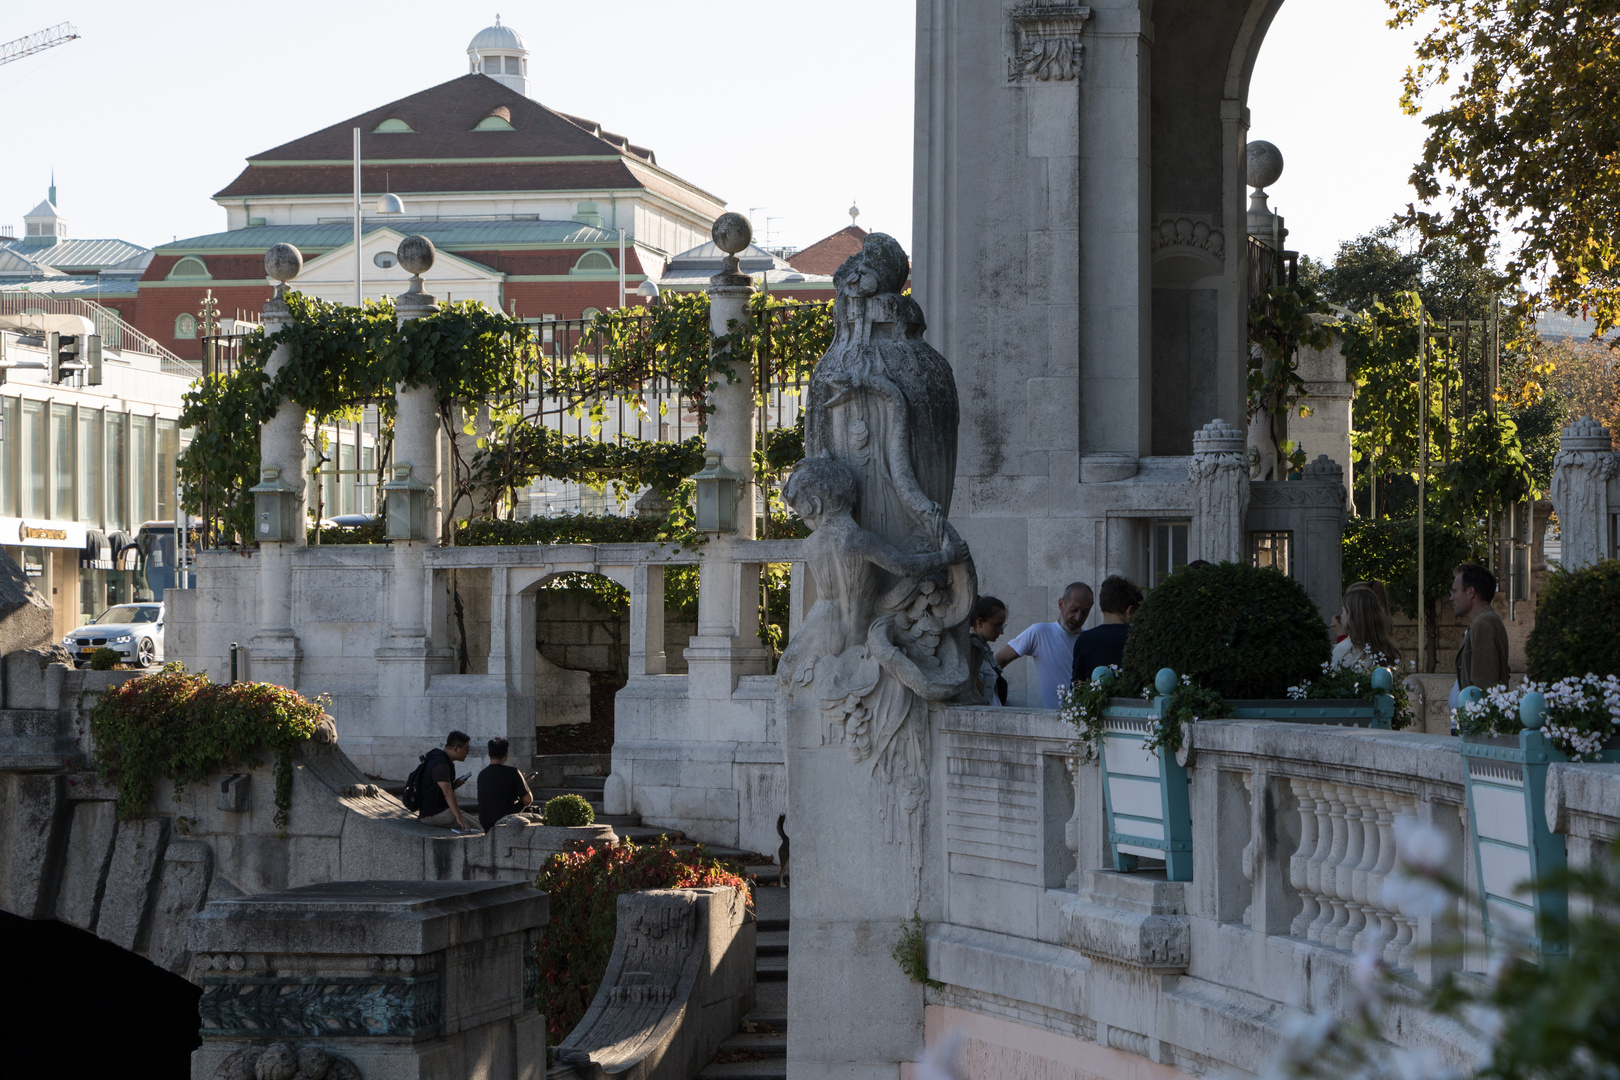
(373,979)
(1311,512)
(1583,493)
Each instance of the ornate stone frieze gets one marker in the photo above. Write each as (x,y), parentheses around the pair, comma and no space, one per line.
(1046,44)
(1585,465)
(1184,232)
(329,1006)
(284,1061)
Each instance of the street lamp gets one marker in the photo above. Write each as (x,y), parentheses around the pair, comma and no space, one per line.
(406,509)
(275,508)
(718,492)
(648,290)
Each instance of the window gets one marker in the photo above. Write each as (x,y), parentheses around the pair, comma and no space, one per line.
(10,431)
(92,496)
(393,123)
(185,325)
(1167,549)
(142,467)
(168,449)
(117,471)
(499,119)
(190,267)
(594,262)
(492,65)
(32,452)
(514,65)
(384,259)
(64,441)
(590,313)
(1274,550)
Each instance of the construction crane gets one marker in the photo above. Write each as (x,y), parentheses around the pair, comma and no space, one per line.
(60,34)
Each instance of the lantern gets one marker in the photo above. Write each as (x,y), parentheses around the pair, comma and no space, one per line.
(406,509)
(276,508)
(718,492)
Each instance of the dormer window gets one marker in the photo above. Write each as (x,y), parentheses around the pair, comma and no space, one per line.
(393,123)
(185,325)
(595,261)
(190,267)
(499,119)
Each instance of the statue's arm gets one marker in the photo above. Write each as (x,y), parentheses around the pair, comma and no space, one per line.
(875,549)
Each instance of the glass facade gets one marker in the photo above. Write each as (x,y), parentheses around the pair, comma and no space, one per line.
(64,475)
(168,449)
(117,472)
(92,476)
(31,447)
(143,470)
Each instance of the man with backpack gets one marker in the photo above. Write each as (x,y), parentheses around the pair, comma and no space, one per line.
(432,786)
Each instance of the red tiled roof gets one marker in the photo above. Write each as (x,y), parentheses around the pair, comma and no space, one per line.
(443,119)
(828,254)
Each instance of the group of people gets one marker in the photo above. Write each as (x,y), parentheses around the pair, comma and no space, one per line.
(1363,629)
(1061,650)
(502,789)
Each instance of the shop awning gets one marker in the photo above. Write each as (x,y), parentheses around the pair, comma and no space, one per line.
(97,552)
(125,554)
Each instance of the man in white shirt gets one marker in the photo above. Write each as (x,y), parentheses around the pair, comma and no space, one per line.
(1052,644)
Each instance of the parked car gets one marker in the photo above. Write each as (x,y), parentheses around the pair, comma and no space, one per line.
(133,631)
(351,521)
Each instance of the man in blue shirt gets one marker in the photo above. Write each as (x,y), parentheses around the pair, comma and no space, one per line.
(1104,645)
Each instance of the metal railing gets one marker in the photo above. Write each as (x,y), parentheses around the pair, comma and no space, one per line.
(115,332)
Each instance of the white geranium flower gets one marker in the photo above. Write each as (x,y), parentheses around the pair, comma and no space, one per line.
(1422,847)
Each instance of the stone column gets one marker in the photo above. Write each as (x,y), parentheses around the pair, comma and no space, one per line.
(1220,481)
(416,443)
(1320,566)
(274,650)
(1582,472)
(724,647)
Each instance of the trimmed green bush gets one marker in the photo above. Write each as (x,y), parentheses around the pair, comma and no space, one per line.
(1241,631)
(569,811)
(1577,624)
(104,659)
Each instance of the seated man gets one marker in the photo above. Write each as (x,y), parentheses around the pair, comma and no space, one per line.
(501,788)
(438,785)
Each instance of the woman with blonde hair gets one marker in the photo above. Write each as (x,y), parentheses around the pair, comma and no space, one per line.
(1370,632)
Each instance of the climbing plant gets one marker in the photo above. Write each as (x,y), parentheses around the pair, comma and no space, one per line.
(1280,324)
(183,726)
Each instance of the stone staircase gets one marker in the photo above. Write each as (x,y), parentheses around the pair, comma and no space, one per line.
(759,1050)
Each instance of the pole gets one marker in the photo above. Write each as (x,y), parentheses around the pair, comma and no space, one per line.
(1423,474)
(359,295)
(621,268)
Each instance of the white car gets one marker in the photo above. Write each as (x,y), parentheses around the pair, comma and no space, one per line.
(133,631)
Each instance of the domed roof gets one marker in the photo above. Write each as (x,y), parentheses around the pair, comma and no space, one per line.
(497,37)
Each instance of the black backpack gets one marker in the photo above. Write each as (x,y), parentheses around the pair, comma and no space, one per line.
(412,795)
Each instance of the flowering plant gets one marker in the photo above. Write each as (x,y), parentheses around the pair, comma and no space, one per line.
(1582,713)
(1352,678)
(1082,705)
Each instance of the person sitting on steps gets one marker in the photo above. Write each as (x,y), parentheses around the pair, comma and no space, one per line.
(438,791)
(501,788)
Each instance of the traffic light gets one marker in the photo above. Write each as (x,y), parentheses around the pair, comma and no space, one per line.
(62,352)
(53,346)
(92,360)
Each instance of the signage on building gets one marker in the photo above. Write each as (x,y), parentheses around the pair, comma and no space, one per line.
(30,532)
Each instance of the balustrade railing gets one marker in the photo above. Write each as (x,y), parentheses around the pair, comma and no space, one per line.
(115,332)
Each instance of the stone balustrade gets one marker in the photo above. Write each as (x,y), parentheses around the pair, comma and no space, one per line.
(1293,839)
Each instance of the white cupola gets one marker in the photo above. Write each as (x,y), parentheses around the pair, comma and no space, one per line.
(44,225)
(498,51)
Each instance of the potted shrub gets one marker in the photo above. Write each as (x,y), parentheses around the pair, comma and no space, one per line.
(1227,641)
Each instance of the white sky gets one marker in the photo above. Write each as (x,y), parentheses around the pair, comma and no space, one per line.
(797,108)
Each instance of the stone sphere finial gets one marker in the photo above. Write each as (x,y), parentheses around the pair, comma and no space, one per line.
(283,262)
(1165,682)
(1219,437)
(732,232)
(1533,709)
(416,254)
(1265,164)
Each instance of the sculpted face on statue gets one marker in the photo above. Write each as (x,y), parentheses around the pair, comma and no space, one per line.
(881,267)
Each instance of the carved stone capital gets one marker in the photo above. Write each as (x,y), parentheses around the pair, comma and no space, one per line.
(1046,44)
(1184,232)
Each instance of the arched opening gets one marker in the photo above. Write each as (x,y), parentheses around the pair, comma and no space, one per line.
(190,267)
(84,1006)
(594,261)
(392,124)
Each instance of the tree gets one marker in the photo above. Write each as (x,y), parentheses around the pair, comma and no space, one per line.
(1529,140)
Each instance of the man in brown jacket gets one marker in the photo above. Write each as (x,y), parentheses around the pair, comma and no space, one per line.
(1482,659)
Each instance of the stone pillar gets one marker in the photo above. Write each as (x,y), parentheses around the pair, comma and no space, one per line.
(726,646)
(1583,471)
(371,979)
(274,649)
(1330,394)
(1220,481)
(416,443)
(1323,556)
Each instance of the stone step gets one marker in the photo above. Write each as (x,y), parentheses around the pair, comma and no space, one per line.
(549,769)
(769,926)
(642,834)
(546,794)
(629,821)
(765,1022)
(771,905)
(764,874)
(771,942)
(769,1043)
(766,1068)
(576,782)
(771,968)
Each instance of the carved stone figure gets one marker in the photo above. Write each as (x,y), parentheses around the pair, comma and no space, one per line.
(1220,481)
(895,584)
(1585,464)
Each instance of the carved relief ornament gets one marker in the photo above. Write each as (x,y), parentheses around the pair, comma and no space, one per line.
(1046,41)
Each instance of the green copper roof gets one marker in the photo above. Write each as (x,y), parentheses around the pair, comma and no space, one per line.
(445,234)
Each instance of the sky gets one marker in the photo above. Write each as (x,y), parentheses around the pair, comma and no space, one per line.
(788,111)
